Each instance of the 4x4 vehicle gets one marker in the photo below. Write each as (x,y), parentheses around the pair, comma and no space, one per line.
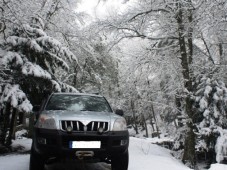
(76,126)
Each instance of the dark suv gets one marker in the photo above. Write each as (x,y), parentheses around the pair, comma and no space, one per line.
(75,126)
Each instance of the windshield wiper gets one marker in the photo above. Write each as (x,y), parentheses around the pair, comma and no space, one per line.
(87,110)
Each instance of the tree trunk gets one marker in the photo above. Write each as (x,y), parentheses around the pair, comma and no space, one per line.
(145,125)
(11,127)
(5,123)
(155,120)
(31,124)
(152,125)
(134,117)
(189,146)
(186,59)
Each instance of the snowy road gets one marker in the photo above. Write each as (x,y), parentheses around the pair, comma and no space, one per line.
(143,156)
(21,162)
(81,166)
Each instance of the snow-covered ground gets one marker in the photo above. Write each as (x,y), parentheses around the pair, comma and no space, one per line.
(143,156)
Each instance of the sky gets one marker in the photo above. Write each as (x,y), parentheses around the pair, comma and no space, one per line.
(102,8)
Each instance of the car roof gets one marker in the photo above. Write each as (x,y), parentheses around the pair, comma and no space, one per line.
(78,94)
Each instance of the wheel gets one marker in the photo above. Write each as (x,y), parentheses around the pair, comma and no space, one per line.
(36,161)
(120,162)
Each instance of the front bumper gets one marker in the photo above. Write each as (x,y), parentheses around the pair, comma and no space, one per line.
(56,143)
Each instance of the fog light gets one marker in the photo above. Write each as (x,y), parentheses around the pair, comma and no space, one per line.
(69,129)
(42,141)
(124,142)
(100,130)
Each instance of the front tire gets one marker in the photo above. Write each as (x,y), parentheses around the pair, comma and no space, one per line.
(120,162)
(36,161)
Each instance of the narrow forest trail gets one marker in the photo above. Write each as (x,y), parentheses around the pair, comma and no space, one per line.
(80,166)
(142,156)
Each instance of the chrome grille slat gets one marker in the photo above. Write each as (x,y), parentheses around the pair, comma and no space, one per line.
(78,126)
(92,126)
(98,125)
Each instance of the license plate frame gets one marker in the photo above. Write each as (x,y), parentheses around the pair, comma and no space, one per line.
(85,144)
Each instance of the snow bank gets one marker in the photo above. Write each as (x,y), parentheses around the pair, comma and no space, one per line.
(12,162)
(218,167)
(24,144)
(143,155)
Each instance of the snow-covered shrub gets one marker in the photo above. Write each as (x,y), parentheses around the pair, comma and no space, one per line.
(21,134)
(179,140)
(211,116)
(16,97)
(221,146)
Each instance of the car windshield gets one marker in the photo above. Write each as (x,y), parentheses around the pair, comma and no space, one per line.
(78,103)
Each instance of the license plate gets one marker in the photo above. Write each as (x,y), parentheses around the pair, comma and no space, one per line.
(84,144)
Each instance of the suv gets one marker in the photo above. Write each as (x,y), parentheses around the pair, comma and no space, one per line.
(76,126)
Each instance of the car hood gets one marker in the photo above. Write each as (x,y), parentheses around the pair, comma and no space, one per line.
(83,116)
(78,115)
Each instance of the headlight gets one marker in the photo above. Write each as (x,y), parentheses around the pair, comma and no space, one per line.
(46,122)
(119,125)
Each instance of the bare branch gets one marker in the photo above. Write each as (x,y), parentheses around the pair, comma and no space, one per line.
(115,43)
(207,49)
(1,9)
(139,35)
(147,12)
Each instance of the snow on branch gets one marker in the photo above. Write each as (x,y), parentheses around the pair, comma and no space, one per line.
(59,87)
(26,67)
(16,97)
(36,40)
(59,61)
(35,70)
(11,57)
(36,31)
(16,41)
(67,88)
(51,44)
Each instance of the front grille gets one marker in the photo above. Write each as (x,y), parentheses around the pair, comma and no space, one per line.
(78,126)
(94,126)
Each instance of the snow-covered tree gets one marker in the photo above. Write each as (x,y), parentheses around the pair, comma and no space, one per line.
(178,35)
(30,53)
(38,40)
(29,58)
(11,97)
(211,101)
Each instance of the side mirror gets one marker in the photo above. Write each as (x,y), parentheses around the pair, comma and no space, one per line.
(119,112)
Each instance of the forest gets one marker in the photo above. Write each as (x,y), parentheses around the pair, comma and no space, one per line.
(163,62)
